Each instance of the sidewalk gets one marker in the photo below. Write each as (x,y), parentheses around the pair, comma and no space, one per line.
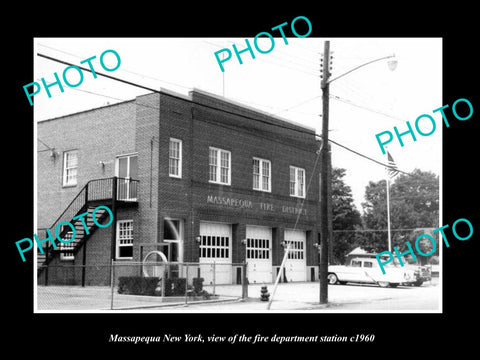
(288,297)
(305,296)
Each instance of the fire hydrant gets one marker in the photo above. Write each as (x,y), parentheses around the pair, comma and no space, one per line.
(264,294)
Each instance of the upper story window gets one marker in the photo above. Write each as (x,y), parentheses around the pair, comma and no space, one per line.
(175,158)
(70,167)
(297,182)
(261,174)
(219,166)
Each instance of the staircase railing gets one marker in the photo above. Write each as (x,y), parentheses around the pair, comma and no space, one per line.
(97,189)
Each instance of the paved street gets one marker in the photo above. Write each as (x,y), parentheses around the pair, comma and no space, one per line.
(342,298)
(288,297)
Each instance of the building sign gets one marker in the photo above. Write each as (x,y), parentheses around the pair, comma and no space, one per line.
(247,204)
(233,202)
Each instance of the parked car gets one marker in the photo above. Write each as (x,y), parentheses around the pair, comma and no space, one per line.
(364,269)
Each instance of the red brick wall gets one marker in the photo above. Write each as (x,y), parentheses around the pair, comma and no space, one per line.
(200,127)
(98,135)
(153,119)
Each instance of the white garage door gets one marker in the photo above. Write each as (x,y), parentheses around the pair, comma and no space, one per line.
(259,254)
(215,247)
(296,264)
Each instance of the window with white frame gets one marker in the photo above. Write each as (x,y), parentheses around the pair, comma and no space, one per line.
(297,182)
(175,158)
(70,166)
(261,174)
(219,166)
(124,239)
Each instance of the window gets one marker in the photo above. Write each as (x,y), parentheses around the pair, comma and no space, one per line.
(367,264)
(296,249)
(258,248)
(125,239)
(297,182)
(70,165)
(175,158)
(219,166)
(66,237)
(356,263)
(261,174)
(127,171)
(214,247)
(173,234)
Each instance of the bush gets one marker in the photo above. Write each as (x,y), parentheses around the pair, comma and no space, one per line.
(175,287)
(137,285)
(198,284)
(197,289)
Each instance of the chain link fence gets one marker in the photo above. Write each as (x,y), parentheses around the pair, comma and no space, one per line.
(137,285)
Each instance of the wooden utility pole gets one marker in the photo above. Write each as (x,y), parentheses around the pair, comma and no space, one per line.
(324,179)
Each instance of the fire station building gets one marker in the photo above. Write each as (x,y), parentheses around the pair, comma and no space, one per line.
(199,177)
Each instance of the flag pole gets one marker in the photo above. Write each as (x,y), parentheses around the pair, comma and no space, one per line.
(391,172)
(387,171)
(388,214)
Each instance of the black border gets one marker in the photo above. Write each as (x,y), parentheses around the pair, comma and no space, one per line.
(87,334)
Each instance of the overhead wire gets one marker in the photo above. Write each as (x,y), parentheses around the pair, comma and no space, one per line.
(278,52)
(291,128)
(289,64)
(338,98)
(373,230)
(123,69)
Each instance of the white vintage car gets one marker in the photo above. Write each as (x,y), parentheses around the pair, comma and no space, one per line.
(366,270)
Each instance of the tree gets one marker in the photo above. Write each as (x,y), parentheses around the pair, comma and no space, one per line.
(345,216)
(414,203)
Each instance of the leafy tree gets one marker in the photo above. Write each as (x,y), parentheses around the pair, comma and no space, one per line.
(345,216)
(414,203)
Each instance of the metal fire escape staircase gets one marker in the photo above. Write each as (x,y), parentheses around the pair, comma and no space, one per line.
(110,192)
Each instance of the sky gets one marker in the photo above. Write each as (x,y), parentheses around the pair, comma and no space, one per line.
(284,82)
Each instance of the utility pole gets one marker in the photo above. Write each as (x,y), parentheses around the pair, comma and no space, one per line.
(325,175)
(324,179)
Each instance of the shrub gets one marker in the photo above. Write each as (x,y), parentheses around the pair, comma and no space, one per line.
(137,285)
(175,287)
(198,284)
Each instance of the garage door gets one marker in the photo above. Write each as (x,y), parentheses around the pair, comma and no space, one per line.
(215,247)
(259,255)
(296,264)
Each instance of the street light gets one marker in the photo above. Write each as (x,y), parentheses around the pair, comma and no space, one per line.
(325,201)
(392,65)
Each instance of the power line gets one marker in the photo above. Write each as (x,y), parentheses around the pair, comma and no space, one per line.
(363,107)
(291,128)
(115,98)
(366,157)
(298,104)
(123,69)
(374,230)
(293,65)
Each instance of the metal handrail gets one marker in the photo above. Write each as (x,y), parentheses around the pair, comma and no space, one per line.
(85,192)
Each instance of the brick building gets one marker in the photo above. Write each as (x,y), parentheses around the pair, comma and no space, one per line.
(191,176)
